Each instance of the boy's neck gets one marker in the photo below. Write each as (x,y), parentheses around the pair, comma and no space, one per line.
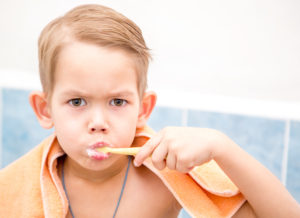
(75,170)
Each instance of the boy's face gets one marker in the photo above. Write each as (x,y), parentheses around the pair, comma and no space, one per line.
(95,102)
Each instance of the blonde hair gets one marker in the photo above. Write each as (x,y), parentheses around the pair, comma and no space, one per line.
(95,24)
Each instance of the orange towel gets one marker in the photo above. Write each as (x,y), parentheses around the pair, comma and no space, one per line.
(205,192)
(30,186)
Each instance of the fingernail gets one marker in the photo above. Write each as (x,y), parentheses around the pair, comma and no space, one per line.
(135,164)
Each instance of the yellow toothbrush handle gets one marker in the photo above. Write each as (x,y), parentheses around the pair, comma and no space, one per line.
(125,151)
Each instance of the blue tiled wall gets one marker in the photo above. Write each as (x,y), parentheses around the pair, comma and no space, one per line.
(261,137)
(165,116)
(20,128)
(293,171)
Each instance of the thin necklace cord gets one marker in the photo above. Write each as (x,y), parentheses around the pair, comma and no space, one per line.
(120,196)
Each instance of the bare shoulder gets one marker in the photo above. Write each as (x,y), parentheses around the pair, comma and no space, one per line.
(245,211)
(151,194)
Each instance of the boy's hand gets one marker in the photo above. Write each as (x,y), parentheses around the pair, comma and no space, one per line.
(179,148)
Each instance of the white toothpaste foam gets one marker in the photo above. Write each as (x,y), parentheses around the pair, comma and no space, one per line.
(91,152)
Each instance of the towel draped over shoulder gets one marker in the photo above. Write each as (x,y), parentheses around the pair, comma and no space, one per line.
(30,186)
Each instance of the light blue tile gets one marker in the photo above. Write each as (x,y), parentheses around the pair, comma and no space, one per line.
(21,130)
(183,214)
(165,116)
(1,115)
(262,138)
(293,172)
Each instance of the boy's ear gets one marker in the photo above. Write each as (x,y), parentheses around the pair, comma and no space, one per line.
(40,107)
(147,105)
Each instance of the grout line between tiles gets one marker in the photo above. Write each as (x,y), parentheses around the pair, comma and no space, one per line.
(1,120)
(285,152)
(184,118)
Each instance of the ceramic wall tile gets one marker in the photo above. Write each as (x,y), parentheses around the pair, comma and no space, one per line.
(165,116)
(262,138)
(20,128)
(293,169)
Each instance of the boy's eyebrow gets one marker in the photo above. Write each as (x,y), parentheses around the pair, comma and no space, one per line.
(73,92)
(83,93)
(122,93)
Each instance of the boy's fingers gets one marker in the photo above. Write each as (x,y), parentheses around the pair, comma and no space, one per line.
(159,156)
(171,161)
(181,168)
(184,165)
(147,150)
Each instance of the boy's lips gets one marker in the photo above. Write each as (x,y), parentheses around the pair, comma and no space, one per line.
(94,154)
(99,145)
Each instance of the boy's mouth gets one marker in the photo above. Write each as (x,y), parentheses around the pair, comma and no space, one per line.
(94,154)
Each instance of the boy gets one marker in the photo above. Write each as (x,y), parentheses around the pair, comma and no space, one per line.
(93,65)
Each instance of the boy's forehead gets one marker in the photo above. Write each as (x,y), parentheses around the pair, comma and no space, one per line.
(83,66)
(72,54)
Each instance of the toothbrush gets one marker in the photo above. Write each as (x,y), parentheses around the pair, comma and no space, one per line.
(125,151)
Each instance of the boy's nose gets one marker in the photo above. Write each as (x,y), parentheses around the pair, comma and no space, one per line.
(98,123)
(95,129)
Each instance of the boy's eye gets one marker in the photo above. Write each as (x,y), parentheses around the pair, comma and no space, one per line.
(118,102)
(76,102)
